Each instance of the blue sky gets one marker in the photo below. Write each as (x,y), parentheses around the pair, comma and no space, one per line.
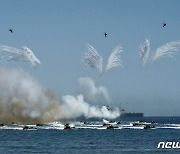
(57,32)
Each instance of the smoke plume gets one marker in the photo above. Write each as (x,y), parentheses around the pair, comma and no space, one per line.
(88,104)
(74,107)
(92,93)
(22,99)
(14,54)
(145,50)
(93,59)
(167,50)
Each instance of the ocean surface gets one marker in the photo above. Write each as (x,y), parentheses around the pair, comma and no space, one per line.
(92,137)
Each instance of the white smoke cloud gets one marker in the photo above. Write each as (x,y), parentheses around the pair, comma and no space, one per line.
(22,99)
(93,59)
(145,50)
(169,49)
(81,105)
(92,93)
(25,54)
(74,107)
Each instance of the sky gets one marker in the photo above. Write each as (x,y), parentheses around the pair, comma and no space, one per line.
(57,32)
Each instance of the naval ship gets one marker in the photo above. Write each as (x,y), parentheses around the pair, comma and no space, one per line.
(132,115)
(128,114)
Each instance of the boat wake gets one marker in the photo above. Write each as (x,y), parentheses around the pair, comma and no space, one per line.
(100,125)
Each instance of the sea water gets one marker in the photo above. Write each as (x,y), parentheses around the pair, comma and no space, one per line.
(91,138)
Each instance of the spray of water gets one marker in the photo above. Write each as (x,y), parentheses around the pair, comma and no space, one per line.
(91,58)
(25,54)
(167,50)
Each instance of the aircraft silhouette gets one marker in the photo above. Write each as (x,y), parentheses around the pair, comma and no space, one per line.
(105,34)
(11,30)
(164,24)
